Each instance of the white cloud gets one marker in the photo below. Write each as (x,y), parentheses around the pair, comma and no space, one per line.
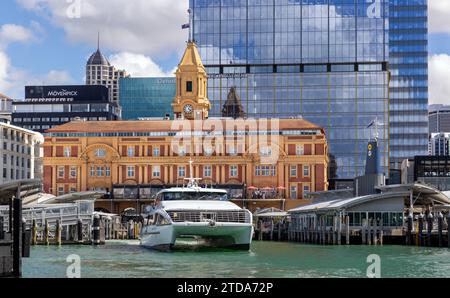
(138,65)
(147,26)
(439,12)
(12,79)
(439,75)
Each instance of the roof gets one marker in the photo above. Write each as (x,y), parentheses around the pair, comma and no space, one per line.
(27,187)
(191,56)
(163,126)
(78,196)
(423,195)
(98,59)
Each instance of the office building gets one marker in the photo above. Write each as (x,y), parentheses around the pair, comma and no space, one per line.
(100,72)
(45,107)
(408,64)
(439,116)
(433,170)
(324,60)
(5,108)
(142,98)
(440,144)
(20,153)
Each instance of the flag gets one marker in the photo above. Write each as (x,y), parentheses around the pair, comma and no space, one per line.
(186,26)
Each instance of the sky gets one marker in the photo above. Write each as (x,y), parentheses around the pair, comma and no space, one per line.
(49,41)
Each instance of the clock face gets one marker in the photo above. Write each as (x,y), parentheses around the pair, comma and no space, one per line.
(188,109)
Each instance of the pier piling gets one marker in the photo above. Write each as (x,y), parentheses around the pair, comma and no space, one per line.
(363,232)
(430,227)
(440,228)
(2,233)
(46,233)
(448,230)
(80,231)
(58,233)
(420,230)
(96,230)
(409,229)
(347,230)
(33,233)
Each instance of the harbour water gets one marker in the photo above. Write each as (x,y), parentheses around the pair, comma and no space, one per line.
(265,260)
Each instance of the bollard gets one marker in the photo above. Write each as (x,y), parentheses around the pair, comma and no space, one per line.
(409,229)
(440,228)
(58,233)
(2,233)
(420,230)
(430,227)
(80,231)
(96,230)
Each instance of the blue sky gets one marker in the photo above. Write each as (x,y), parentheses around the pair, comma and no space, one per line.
(40,44)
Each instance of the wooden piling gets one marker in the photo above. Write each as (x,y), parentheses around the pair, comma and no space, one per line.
(96,230)
(80,231)
(363,232)
(430,221)
(420,230)
(369,229)
(448,230)
(339,233)
(374,231)
(33,233)
(46,233)
(347,230)
(2,232)
(440,228)
(271,230)
(58,233)
(409,229)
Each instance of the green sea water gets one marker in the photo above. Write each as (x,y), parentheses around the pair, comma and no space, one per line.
(265,260)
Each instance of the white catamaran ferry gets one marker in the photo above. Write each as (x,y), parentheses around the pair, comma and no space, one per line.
(193,212)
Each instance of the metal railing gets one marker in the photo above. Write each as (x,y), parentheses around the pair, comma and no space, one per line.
(240,216)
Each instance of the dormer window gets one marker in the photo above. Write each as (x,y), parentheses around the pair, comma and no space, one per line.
(189,86)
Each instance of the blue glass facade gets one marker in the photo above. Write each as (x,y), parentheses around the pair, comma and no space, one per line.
(408,46)
(324,60)
(146,97)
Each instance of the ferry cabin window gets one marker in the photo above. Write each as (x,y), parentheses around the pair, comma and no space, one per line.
(191,196)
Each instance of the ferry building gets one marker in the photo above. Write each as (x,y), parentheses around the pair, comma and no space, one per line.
(264,160)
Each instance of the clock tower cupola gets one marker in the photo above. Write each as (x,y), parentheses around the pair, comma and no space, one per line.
(191,101)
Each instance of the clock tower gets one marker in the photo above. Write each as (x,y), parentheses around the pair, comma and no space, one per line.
(191,101)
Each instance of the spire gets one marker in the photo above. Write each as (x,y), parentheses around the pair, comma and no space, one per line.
(98,41)
(233,106)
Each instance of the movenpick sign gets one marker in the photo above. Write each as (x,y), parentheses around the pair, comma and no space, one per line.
(62,94)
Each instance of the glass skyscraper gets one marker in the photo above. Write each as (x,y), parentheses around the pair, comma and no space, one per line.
(324,60)
(408,64)
(146,97)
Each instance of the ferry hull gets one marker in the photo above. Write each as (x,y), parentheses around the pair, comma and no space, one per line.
(222,235)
